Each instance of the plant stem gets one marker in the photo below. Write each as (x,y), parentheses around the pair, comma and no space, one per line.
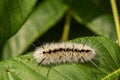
(116,18)
(66,26)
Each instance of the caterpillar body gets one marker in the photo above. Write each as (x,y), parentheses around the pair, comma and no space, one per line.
(64,52)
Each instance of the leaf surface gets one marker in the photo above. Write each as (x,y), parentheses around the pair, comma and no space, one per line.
(26,68)
(95,15)
(44,16)
(13,14)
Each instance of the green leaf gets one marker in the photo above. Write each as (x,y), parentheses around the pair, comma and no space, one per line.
(26,68)
(13,13)
(18,71)
(44,16)
(95,15)
(113,76)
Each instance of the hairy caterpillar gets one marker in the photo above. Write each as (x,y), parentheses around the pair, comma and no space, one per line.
(65,52)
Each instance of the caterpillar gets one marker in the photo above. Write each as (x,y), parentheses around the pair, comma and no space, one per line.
(64,52)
